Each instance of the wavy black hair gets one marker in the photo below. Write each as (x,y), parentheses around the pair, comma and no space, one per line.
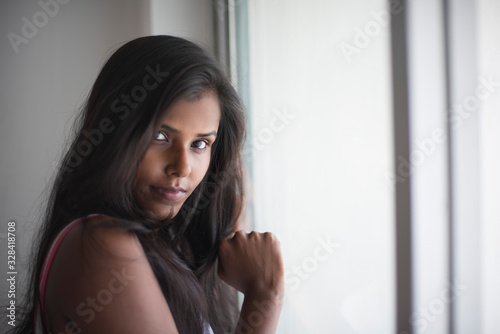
(132,92)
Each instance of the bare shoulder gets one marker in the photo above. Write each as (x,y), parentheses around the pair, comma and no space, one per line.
(102,239)
(102,282)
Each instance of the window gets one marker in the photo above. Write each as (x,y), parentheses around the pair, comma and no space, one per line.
(373,158)
(320,148)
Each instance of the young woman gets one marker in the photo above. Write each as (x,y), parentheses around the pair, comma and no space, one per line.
(141,232)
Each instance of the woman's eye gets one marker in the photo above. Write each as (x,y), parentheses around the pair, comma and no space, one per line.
(160,136)
(200,145)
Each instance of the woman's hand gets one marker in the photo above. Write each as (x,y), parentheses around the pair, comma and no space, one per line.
(252,264)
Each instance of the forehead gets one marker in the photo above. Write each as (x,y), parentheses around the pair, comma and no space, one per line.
(191,116)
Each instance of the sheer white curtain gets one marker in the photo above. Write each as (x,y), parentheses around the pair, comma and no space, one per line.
(324,158)
(489,71)
(320,150)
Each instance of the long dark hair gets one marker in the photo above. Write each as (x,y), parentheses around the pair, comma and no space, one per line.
(133,90)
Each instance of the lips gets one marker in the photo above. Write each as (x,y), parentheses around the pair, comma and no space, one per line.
(170,193)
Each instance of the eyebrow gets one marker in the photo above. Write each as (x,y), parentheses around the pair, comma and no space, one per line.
(211,133)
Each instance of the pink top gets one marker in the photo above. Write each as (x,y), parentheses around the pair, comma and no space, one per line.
(40,326)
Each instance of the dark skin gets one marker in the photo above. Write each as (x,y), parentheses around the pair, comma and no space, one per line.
(80,284)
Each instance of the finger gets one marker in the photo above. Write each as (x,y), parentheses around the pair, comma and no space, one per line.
(239,232)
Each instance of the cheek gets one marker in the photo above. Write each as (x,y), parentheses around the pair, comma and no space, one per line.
(145,171)
(201,170)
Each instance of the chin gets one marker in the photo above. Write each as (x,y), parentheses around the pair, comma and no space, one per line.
(163,213)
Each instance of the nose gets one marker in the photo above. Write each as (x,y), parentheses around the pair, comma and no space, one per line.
(178,162)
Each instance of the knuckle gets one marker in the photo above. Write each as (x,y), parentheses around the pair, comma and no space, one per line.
(252,235)
(268,235)
(239,234)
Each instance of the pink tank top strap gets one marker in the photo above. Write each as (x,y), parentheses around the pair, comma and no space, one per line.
(39,318)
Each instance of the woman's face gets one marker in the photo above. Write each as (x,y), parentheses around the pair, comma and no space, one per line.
(178,157)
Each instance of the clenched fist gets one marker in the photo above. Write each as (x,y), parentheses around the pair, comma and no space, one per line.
(252,263)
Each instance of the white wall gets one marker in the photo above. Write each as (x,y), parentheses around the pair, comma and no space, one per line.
(42,86)
(190,19)
(45,82)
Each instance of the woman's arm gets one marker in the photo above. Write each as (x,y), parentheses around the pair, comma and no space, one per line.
(260,313)
(252,264)
(111,287)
